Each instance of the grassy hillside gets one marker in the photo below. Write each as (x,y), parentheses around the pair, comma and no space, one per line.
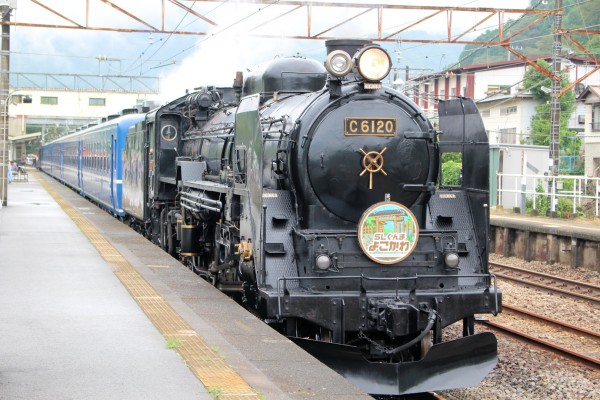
(537,40)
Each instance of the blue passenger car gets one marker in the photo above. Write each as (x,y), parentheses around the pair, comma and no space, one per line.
(90,161)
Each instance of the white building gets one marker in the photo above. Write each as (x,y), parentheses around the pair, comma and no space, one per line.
(507,118)
(35,113)
(514,169)
(498,90)
(590,97)
(507,109)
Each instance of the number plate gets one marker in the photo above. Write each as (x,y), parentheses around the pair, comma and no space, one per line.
(370,126)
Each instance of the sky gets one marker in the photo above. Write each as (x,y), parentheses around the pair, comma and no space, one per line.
(188,61)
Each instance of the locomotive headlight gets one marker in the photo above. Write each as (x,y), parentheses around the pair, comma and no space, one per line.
(338,63)
(373,63)
(452,260)
(323,262)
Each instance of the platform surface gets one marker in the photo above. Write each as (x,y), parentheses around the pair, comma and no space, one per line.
(579,227)
(70,329)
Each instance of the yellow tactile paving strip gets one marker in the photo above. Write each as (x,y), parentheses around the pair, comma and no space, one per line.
(219,378)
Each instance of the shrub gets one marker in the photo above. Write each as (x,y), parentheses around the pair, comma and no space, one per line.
(451,173)
(541,202)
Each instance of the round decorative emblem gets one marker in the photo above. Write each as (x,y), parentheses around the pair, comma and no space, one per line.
(388,232)
(168,132)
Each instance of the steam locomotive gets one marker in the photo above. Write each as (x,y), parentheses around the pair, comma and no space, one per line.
(312,194)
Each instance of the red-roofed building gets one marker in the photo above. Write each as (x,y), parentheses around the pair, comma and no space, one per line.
(506,105)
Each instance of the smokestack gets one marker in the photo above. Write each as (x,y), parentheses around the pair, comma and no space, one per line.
(350,46)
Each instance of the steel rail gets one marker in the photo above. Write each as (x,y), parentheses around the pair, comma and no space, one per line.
(548,320)
(575,285)
(584,358)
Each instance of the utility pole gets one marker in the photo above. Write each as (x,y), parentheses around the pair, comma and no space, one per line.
(6,7)
(555,107)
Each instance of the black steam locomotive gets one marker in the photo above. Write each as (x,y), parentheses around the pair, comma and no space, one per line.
(311,194)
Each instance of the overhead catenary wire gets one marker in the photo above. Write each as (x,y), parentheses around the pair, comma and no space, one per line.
(471,51)
(247,17)
(420,93)
(220,31)
(164,61)
(142,60)
(170,35)
(459,62)
(220,4)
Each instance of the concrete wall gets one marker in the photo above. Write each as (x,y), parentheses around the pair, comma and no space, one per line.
(577,252)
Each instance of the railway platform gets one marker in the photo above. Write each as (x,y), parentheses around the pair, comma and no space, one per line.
(583,228)
(89,309)
(574,242)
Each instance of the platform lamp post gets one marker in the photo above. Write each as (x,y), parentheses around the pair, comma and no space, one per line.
(6,7)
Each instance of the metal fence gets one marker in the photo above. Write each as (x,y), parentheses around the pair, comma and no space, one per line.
(543,193)
(571,164)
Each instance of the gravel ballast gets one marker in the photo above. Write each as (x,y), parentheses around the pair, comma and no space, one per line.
(528,372)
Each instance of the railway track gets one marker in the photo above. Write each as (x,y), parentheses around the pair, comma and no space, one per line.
(567,339)
(577,356)
(551,283)
(570,333)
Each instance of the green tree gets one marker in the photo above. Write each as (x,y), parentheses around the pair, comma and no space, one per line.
(451,168)
(34,146)
(537,40)
(539,85)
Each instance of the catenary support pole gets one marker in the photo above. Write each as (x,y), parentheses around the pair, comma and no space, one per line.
(5,9)
(555,108)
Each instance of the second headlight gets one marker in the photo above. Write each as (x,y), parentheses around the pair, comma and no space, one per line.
(338,63)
